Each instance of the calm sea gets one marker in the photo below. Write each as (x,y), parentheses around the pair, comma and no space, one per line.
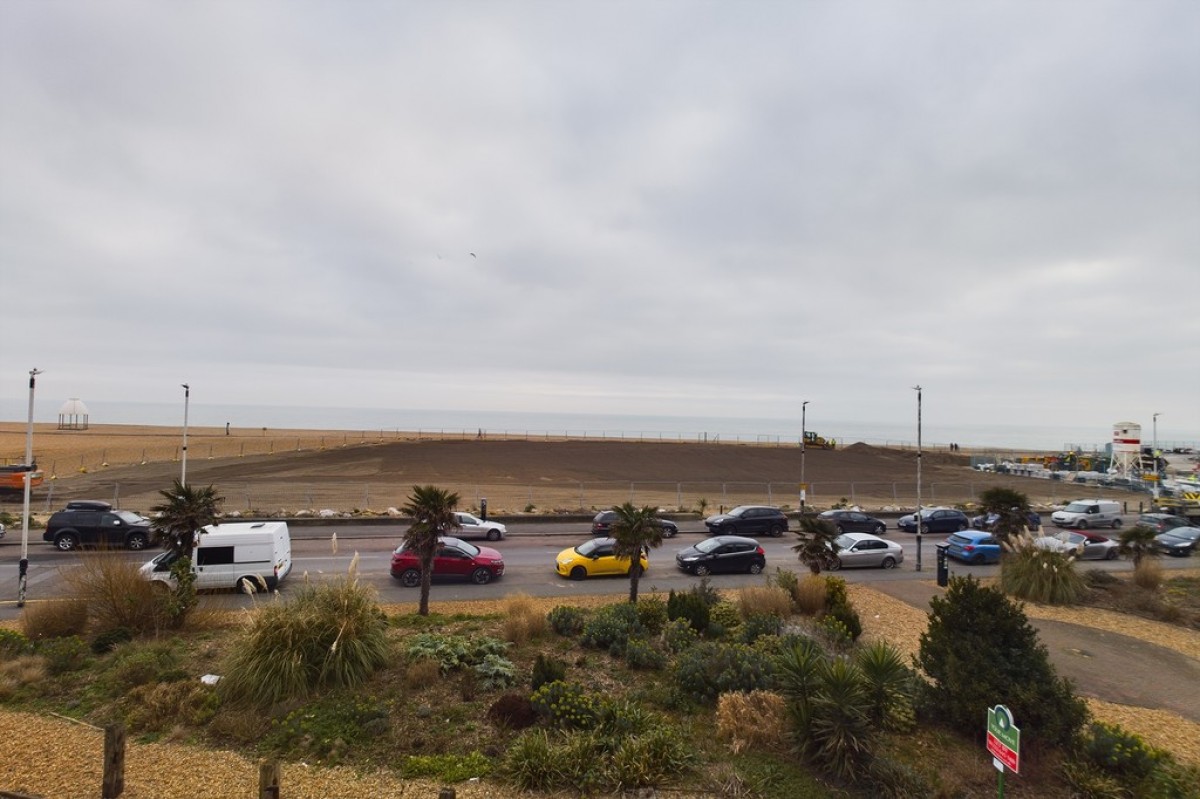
(612,426)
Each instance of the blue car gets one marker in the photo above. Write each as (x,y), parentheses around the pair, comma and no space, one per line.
(973,546)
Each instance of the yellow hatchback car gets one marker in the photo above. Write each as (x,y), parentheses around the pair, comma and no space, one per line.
(592,559)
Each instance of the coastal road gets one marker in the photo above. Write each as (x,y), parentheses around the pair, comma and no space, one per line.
(529,554)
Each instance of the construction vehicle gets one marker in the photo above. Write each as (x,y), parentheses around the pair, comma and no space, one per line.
(811,439)
(12,478)
(1184,503)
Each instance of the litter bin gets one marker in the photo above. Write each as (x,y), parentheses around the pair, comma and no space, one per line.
(943,567)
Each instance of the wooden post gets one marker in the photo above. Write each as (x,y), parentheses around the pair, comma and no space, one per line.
(446,793)
(114,761)
(268,779)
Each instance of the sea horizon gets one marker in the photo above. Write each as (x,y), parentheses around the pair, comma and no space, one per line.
(692,428)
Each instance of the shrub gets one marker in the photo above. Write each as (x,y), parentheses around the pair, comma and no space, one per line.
(1087,781)
(512,711)
(1148,574)
(157,707)
(754,600)
(13,644)
(641,654)
(532,762)
(967,627)
(797,667)
(724,614)
(447,768)
(785,579)
(590,762)
(328,635)
(690,606)
(847,617)
(453,652)
(810,595)
(619,717)
(547,670)
(116,593)
(63,655)
(611,625)
(495,671)
(1039,575)
(522,620)
(708,670)
(567,620)
(565,705)
(141,664)
(422,673)
(759,624)
(652,614)
(105,642)
(1097,578)
(891,779)
(753,720)
(327,730)
(889,684)
(1120,753)
(20,671)
(678,635)
(54,618)
(836,732)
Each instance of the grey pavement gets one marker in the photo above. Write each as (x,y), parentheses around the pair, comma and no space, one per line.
(1103,665)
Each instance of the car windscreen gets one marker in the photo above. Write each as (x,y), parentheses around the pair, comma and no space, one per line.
(587,547)
(844,542)
(960,540)
(1078,507)
(739,510)
(708,545)
(129,517)
(470,549)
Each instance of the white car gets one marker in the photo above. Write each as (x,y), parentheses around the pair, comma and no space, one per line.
(474,527)
(864,549)
(1085,546)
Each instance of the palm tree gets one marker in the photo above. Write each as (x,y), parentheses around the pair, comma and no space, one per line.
(1011,508)
(432,511)
(817,548)
(635,530)
(1138,542)
(186,511)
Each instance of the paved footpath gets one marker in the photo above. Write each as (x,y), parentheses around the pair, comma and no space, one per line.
(1104,665)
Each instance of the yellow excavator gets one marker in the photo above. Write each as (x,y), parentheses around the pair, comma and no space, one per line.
(811,439)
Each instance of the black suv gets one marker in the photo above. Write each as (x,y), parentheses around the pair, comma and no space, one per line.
(748,520)
(602,524)
(95,523)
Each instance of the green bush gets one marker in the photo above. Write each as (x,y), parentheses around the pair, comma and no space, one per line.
(137,664)
(63,654)
(107,641)
(495,671)
(567,620)
(759,625)
(891,779)
(725,614)
(690,606)
(612,625)
(327,635)
(652,614)
(547,670)
(968,627)
(327,730)
(848,617)
(532,762)
(1040,575)
(453,652)
(1118,752)
(565,705)
(13,644)
(641,654)
(838,733)
(447,768)
(836,594)
(889,684)
(679,634)
(787,580)
(709,669)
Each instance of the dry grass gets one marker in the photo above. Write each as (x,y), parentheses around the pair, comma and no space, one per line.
(115,594)
(764,599)
(810,593)
(1148,574)
(54,618)
(19,672)
(422,674)
(523,618)
(754,720)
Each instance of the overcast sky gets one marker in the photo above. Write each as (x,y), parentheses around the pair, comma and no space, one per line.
(650,207)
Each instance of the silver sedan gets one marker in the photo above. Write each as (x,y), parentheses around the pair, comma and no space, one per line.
(864,549)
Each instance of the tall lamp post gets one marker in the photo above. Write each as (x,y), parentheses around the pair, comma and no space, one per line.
(803,445)
(1154,454)
(918,519)
(23,566)
(187,392)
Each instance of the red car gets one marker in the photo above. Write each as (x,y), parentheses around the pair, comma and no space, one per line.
(455,559)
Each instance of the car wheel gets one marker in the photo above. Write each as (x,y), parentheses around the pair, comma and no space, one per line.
(880,529)
(1111,554)
(924,528)
(66,542)
(411,578)
(1082,524)
(481,576)
(888,563)
(1116,524)
(839,529)
(961,526)
(669,532)
(776,530)
(137,541)
(835,564)
(700,570)
(493,535)
(578,573)
(248,585)
(756,568)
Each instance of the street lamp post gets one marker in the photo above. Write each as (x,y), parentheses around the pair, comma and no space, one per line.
(918,518)
(187,392)
(1154,454)
(803,446)
(23,566)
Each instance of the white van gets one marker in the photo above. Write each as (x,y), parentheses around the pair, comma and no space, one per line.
(1085,513)
(232,554)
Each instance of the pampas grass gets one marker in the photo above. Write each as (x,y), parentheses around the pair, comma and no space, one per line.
(1040,575)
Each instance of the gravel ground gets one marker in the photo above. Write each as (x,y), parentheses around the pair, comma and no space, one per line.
(52,757)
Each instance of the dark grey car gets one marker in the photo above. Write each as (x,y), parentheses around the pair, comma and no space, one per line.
(854,521)
(93,525)
(749,520)
(722,554)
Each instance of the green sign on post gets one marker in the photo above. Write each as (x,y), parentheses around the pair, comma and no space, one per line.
(1003,742)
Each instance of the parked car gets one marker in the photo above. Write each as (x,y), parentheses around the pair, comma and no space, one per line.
(865,549)
(95,523)
(1163,522)
(1179,542)
(973,546)
(602,524)
(722,553)
(749,520)
(1085,513)
(853,521)
(473,527)
(935,520)
(1,531)
(455,559)
(594,558)
(1085,546)
(987,521)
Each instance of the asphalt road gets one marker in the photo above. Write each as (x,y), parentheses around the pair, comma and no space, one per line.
(529,553)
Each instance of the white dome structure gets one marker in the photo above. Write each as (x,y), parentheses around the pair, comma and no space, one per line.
(73,415)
